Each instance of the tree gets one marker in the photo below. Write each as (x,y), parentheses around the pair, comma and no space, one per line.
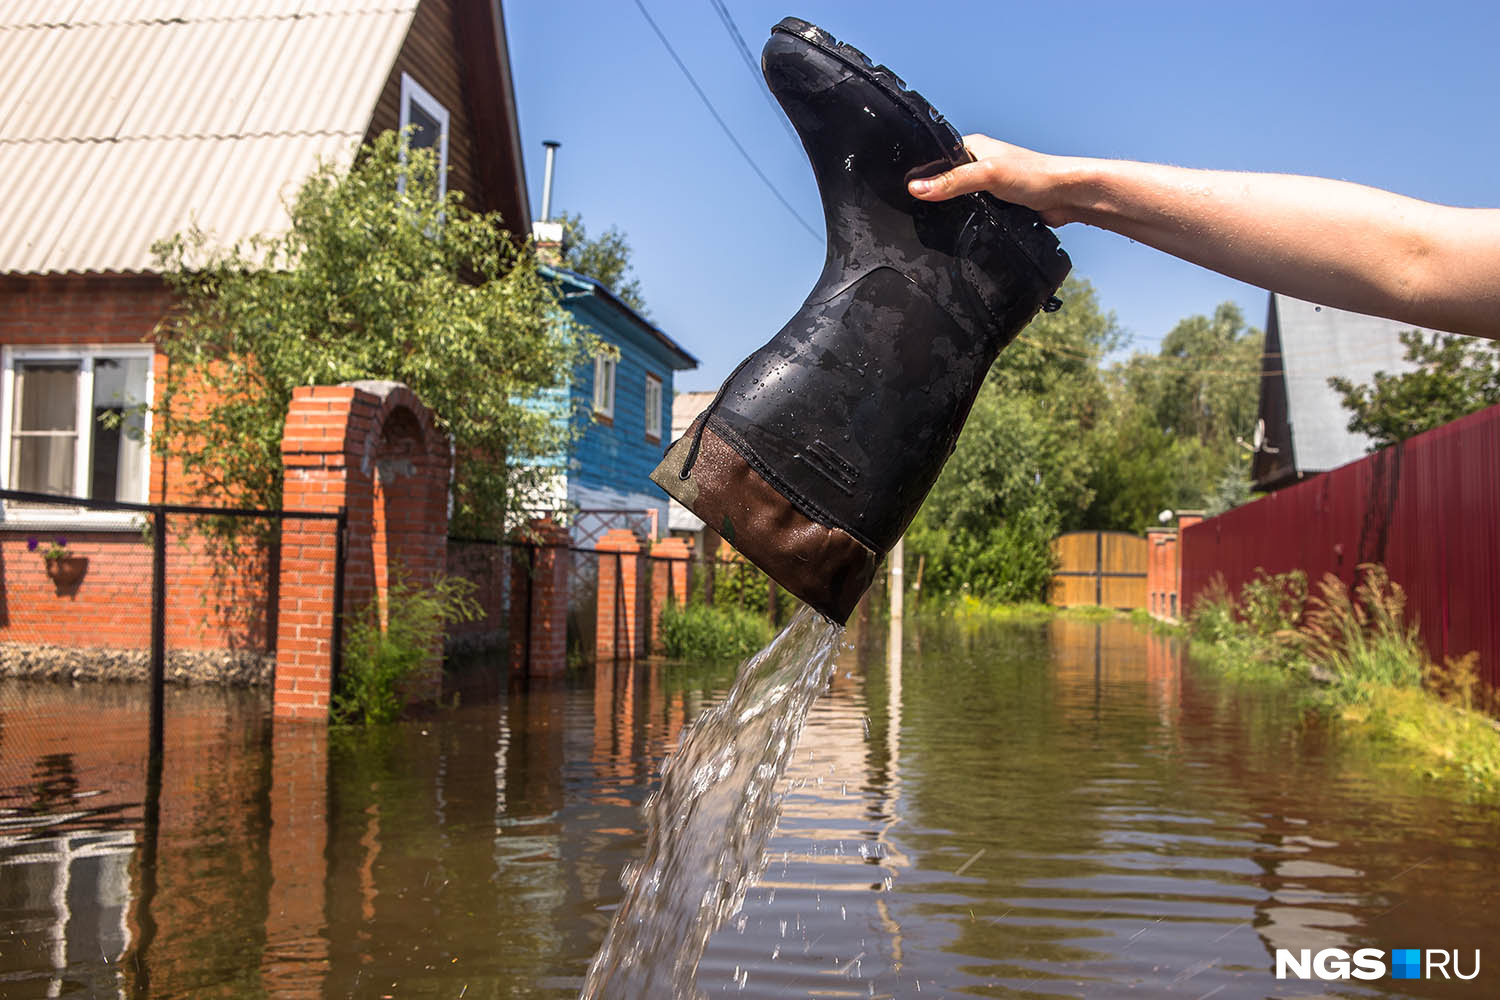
(1457,375)
(606,259)
(1175,417)
(376,278)
(1021,470)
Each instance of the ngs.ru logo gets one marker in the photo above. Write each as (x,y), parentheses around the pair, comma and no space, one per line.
(1370,963)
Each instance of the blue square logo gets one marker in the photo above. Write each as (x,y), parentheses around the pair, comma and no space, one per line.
(1406,963)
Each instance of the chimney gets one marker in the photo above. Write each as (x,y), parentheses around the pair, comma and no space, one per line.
(547,235)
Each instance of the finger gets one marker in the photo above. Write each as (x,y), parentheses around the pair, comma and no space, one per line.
(964,179)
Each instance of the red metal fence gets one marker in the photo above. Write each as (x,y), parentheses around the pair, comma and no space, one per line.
(1428,508)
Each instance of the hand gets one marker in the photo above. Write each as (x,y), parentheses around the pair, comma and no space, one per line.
(1010,173)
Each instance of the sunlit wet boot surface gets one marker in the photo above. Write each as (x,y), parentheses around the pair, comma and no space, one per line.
(818,450)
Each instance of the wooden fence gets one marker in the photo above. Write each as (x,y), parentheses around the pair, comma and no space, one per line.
(1107,568)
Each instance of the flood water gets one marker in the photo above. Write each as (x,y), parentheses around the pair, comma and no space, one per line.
(1061,810)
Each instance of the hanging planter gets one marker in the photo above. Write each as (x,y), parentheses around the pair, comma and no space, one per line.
(65,571)
(64,568)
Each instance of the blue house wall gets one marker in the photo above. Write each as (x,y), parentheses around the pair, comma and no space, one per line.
(609,467)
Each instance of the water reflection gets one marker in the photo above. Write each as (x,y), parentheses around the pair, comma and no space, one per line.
(1061,810)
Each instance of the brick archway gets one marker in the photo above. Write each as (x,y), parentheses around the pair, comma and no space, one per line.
(374,449)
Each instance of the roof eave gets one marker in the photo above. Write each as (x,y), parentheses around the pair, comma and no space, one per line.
(590,286)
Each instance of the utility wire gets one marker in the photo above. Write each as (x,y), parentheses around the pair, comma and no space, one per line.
(724,125)
(753,65)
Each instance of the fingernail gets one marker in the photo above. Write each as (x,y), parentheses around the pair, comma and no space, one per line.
(921,186)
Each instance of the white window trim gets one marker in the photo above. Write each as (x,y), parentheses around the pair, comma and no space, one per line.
(413,92)
(654,411)
(71,517)
(605,369)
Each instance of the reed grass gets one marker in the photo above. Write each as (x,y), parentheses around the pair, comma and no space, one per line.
(1360,660)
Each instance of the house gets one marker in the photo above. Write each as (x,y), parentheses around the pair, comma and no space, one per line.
(124,123)
(685,409)
(1303,428)
(121,124)
(624,405)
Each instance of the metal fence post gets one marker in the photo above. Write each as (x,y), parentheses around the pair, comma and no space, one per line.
(158,630)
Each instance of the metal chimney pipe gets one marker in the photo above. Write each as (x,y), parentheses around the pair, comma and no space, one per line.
(551,146)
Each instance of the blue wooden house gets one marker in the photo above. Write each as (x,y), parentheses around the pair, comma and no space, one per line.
(606,481)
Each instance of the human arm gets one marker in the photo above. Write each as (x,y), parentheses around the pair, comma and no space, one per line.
(1331,242)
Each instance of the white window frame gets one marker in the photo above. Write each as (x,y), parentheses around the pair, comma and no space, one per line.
(605,368)
(413,92)
(653,413)
(84,354)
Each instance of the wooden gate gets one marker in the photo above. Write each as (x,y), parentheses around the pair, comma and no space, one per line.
(1107,568)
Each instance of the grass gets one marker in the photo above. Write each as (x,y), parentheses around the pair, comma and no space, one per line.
(970,610)
(702,633)
(381,658)
(1357,659)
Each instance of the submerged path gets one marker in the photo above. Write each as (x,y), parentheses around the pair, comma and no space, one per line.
(1043,810)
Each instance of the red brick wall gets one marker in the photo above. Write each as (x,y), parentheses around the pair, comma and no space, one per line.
(111,605)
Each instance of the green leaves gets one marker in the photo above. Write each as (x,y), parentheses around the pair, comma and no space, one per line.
(1058,440)
(606,259)
(376,278)
(1457,375)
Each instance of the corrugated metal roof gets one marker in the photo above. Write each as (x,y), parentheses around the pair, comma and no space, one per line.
(1318,342)
(125,121)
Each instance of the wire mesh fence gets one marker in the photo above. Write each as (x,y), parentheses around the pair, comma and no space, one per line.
(136,596)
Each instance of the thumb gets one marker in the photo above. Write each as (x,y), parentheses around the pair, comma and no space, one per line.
(963,179)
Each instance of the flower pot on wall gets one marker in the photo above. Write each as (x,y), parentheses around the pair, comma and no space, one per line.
(67,571)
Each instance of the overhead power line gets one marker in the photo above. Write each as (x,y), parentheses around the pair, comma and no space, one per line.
(753,65)
(725,125)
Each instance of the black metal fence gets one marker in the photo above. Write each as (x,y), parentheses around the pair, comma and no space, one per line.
(509,576)
(103,590)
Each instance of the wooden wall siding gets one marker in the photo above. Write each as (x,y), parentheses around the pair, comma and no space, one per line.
(1107,568)
(619,456)
(431,56)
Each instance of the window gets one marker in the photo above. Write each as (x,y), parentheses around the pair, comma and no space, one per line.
(428,120)
(54,440)
(653,408)
(604,386)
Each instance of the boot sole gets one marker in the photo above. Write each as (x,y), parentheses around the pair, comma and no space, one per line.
(946,136)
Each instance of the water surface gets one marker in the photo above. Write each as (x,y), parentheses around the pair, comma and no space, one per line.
(1062,810)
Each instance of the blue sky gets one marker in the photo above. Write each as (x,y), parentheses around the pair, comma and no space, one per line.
(1401,96)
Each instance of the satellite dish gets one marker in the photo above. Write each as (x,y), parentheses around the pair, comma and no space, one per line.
(1259,439)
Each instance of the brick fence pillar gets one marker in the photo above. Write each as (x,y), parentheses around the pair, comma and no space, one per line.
(372,449)
(669,579)
(539,585)
(618,634)
(1185,520)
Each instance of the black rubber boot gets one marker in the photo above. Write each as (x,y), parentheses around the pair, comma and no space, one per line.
(819,449)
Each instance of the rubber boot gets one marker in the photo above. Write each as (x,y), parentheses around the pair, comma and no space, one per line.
(817,452)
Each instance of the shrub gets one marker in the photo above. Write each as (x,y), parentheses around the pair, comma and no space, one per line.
(1273,604)
(710,634)
(1359,638)
(378,661)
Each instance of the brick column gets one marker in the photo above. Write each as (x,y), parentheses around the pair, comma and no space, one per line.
(669,580)
(372,449)
(318,464)
(540,585)
(1158,574)
(618,635)
(1185,520)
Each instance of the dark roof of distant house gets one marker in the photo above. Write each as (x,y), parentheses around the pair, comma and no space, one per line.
(1306,345)
(592,286)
